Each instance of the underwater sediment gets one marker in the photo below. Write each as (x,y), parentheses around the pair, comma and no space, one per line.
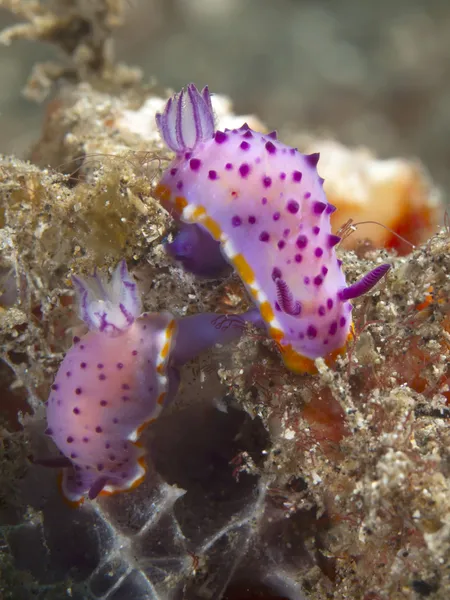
(262,483)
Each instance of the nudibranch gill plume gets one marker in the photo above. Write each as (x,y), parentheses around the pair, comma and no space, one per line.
(117,378)
(263,203)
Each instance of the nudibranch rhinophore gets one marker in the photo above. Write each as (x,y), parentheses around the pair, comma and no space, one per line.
(116,379)
(264,205)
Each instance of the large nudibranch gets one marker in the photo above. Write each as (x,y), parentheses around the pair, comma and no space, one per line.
(263,203)
(116,379)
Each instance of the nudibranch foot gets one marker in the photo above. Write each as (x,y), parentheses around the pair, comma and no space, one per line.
(55,462)
(197,251)
(79,481)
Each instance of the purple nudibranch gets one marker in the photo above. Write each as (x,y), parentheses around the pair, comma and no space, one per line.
(263,205)
(117,378)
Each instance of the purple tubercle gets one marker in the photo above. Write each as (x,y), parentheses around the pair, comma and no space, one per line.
(108,307)
(187,120)
(333,240)
(365,284)
(312,159)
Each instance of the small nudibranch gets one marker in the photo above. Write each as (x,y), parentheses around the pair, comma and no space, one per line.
(264,203)
(116,379)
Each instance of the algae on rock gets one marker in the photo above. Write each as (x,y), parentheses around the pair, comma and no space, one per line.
(326,486)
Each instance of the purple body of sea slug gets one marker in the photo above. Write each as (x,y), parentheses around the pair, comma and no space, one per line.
(116,379)
(246,197)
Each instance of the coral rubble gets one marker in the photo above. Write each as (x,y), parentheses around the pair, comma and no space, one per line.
(262,483)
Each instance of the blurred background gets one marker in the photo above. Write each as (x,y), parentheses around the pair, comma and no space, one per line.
(366,73)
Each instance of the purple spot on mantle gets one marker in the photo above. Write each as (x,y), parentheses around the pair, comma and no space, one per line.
(194,164)
(333,328)
(244,169)
(302,241)
(297,176)
(318,280)
(236,221)
(264,236)
(293,206)
(311,332)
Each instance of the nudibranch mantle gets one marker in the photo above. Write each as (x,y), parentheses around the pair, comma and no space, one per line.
(264,202)
(116,379)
